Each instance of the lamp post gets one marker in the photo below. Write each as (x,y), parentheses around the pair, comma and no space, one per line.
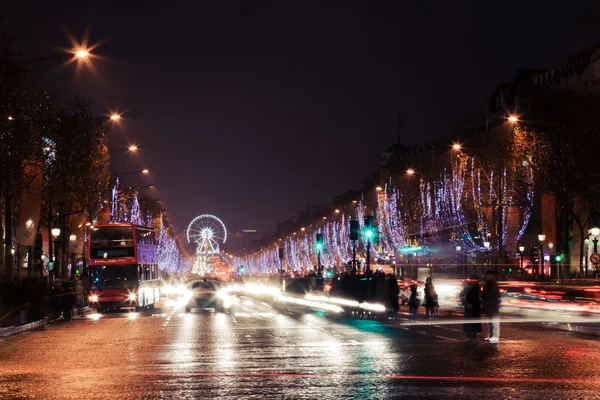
(458,249)
(541,238)
(487,245)
(521,250)
(72,240)
(55,235)
(595,231)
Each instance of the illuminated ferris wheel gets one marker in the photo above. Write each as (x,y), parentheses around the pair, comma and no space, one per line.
(207,232)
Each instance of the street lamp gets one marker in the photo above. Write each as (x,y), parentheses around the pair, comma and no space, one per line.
(541,238)
(456,146)
(410,171)
(132,148)
(513,119)
(379,188)
(82,53)
(115,117)
(521,250)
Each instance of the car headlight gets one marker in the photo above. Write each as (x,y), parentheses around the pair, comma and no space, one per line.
(132,297)
(225,297)
(94,298)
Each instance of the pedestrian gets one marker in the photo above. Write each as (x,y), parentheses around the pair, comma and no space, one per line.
(413,302)
(430,298)
(80,293)
(491,306)
(68,300)
(470,298)
(391,294)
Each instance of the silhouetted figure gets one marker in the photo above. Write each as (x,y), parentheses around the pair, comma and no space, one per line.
(413,302)
(67,301)
(431,300)
(470,298)
(491,307)
(391,295)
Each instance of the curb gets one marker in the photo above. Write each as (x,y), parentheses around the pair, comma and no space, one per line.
(15,330)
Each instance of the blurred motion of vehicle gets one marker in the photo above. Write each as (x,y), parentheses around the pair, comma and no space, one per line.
(172,290)
(123,270)
(206,293)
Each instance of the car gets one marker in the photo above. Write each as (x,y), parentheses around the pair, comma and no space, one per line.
(204,293)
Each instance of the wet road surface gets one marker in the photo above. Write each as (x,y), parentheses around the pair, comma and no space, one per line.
(256,351)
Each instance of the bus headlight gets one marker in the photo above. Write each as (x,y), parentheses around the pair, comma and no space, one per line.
(94,298)
(132,297)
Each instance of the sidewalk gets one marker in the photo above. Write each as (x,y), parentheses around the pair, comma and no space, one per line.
(15,330)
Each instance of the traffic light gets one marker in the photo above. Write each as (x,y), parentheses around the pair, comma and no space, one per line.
(558,258)
(319,241)
(354,229)
(369,228)
(241,269)
(535,255)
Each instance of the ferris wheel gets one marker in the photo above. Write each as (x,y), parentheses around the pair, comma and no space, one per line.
(207,231)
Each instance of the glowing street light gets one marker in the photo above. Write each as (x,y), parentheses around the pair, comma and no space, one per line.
(10,118)
(456,146)
(145,171)
(133,147)
(55,232)
(115,117)
(82,53)
(337,211)
(513,119)
(486,244)
(379,188)
(72,238)
(410,171)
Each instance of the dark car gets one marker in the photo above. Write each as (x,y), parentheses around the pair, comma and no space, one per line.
(204,293)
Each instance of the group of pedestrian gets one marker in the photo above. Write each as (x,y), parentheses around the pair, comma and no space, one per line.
(477,300)
(431,304)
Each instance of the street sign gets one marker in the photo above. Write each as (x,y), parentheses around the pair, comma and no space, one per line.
(50,266)
(595,258)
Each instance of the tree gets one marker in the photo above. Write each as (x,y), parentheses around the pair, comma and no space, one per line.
(556,138)
(77,177)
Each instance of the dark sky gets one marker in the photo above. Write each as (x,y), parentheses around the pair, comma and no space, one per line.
(249,110)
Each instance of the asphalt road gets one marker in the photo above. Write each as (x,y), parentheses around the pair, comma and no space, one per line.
(256,351)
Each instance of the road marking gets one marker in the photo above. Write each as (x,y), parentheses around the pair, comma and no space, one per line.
(447,338)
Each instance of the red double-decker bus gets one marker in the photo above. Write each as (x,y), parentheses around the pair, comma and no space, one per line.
(123,267)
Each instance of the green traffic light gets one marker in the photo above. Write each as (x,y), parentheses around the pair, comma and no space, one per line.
(558,258)
(369,233)
(319,246)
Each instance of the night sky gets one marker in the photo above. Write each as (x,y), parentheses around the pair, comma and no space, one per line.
(250,110)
